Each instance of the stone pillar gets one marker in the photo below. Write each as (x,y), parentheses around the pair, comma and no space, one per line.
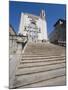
(19,47)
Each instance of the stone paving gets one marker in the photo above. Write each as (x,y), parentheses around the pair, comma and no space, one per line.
(39,65)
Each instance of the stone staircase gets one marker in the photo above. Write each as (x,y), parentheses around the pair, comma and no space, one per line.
(42,64)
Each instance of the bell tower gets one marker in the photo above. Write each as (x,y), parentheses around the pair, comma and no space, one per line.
(42,14)
(43,25)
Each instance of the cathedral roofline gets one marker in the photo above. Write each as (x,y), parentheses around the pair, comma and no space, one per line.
(32,15)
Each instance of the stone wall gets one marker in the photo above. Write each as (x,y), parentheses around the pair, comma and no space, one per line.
(16,42)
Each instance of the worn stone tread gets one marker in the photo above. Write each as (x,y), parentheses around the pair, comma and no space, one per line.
(23,71)
(38,77)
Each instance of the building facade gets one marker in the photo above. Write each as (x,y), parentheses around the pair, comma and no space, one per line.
(58,35)
(16,42)
(12,40)
(35,27)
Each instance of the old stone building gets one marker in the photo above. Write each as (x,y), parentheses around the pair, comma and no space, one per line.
(12,40)
(35,27)
(58,35)
(16,41)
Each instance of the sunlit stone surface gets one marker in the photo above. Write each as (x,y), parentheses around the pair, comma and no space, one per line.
(34,62)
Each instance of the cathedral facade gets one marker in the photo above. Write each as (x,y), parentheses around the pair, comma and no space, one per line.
(34,27)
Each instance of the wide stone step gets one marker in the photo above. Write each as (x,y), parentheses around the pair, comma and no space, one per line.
(45,53)
(43,48)
(37,77)
(55,81)
(34,60)
(24,71)
(27,65)
(42,56)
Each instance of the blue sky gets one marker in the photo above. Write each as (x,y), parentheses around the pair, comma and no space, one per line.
(53,12)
